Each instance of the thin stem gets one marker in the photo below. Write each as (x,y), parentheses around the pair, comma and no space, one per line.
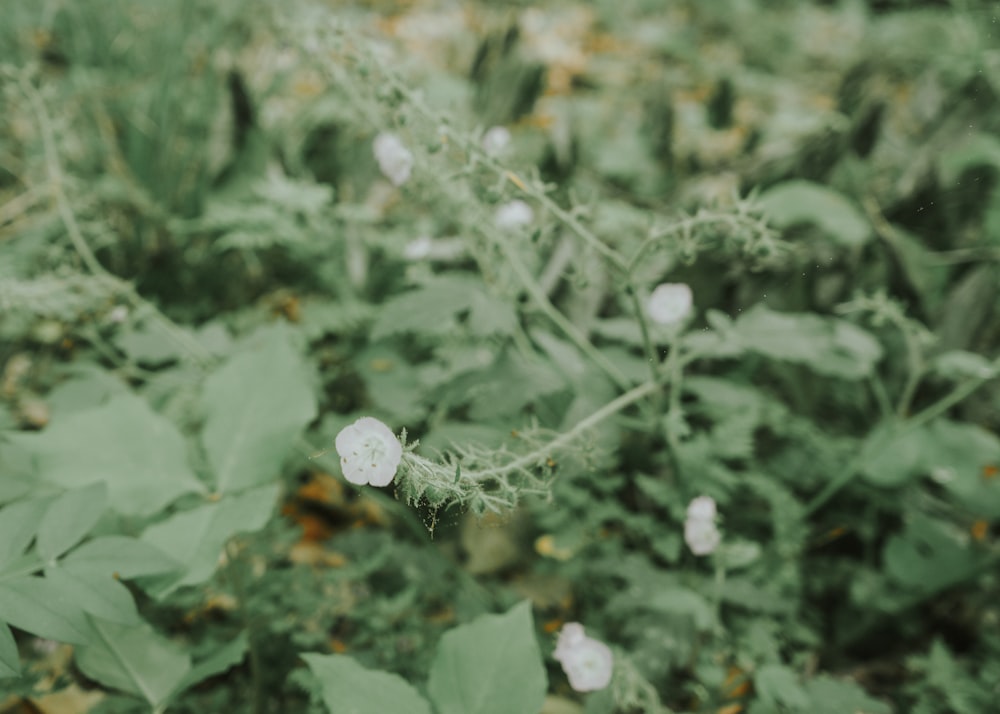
(239,587)
(927,415)
(56,182)
(550,311)
(610,409)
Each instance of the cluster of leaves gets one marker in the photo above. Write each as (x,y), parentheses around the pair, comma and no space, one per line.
(200,258)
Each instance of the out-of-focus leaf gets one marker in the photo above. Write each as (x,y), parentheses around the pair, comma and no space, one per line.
(775,683)
(96,593)
(958,364)
(42,608)
(69,518)
(227,656)
(928,556)
(829,346)
(475,665)
(119,555)
(831,696)
(195,538)
(256,406)
(433,309)
(135,660)
(977,149)
(349,687)
(10,662)
(18,525)
(139,455)
(796,202)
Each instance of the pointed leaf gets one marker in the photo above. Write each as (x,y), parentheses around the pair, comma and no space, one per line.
(257,404)
(69,518)
(139,454)
(349,687)
(135,660)
(18,524)
(96,593)
(795,202)
(10,662)
(119,555)
(196,537)
(491,666)
(42,608)
(229,655)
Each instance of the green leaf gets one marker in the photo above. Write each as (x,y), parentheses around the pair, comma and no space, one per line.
(18,524)
(349,687)
(796,202)
(977,149)
(139,454)
(434,308)
(97,593)
(490,666)
(10,662)
(892,455)
(928,556)
(775,683)
(69,518)
(119,555)
(41,607)
(196,537)
(229,655)
(257,404)
(829,346)
(831,696)
(135,660)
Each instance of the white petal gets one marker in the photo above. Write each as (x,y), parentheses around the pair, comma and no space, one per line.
(670,303)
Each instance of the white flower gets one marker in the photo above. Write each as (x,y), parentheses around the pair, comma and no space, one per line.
(418,248)
(587,662)
(669,304)
(701,508)
(513,215)
(496,140)
(394,159)
(369,452)
(118,314)
(700,532)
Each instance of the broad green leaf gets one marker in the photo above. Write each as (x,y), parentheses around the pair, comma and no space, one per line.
(119,555)
(349,687)
(229,655)
(69,518)
(435,308)
(796,202)
(96,593)
(10,662)
(775,683)
(196,537)
(958,364)
(256,405)
(139,454)
(892,455)
(18,524)
(18,473)
(42,608)
(831,696)
(490,666)
(829,346)
(929,556)
(149,344)
(977,149)
(135,660)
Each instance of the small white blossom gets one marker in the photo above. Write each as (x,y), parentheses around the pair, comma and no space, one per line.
(587,662)
(394,159)
(700,532)
(418,248)
(369,452)
(670,304)
(513,215)
(118,314)
(701,508)
(496,140)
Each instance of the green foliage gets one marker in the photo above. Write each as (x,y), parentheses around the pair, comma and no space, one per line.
(205,276)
